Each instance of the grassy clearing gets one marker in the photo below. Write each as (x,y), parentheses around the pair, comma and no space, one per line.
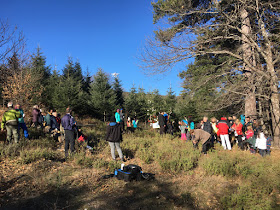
(185,178)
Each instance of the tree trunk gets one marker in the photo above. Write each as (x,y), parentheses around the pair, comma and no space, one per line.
(275,107)
(250,100)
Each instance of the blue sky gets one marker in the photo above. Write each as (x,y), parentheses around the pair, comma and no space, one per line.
(104,34)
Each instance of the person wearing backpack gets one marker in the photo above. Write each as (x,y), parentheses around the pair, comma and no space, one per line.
(10,122)
(68,123)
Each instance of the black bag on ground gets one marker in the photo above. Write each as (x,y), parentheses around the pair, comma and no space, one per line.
(129,173)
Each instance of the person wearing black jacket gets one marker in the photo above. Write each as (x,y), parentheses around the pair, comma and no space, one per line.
(207,125)
(162,123)
(114,137)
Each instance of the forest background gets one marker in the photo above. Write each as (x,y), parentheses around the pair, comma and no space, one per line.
(235,70)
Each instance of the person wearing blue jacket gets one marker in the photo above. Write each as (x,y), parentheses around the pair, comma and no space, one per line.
(68,123)
(118,116)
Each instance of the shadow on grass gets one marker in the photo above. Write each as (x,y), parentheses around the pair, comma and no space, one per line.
(134,195)
(63,198)
(145,195)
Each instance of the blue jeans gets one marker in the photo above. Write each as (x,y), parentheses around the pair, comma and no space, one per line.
(24,128)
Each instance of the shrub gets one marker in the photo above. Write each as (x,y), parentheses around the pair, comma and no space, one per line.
(28,156)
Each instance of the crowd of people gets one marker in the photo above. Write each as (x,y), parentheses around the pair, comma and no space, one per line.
(245,133)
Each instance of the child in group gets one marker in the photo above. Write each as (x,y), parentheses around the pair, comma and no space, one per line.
(135,123)
(129,125)
(268,145)
(251,139)
(261,143)
(183,128)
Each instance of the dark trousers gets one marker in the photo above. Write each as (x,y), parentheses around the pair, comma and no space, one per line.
(69,139)
(122,125)
(162,130)
(240,143)
(206,146)
(262,152)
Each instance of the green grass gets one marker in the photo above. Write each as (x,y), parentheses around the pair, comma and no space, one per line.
(253,181)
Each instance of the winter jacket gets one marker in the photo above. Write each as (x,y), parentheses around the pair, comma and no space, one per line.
(161,120)
(201,135)
(114,132)
(214,127)
(48,119)
(135,123)
(237,128)
(21,120)
(223,126)
(54,124)
(183,128)
(192,125)
(261,141)
(10,117)
(35,114)
(207,127)
(68,122)
(252,142)
(249,134)
(118,117)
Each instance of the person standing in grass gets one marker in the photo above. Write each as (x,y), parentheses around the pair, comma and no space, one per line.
(118,116)
(10,122)
(68,123)
(251,139)
(183,129)
(135,123)
(261,143)
(223,131)
(114,137)
(237,127)
(21,123)
(162,123)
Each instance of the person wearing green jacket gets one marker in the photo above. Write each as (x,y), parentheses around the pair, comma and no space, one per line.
(10,122)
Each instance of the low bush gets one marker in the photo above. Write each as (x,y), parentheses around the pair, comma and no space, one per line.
(29,156)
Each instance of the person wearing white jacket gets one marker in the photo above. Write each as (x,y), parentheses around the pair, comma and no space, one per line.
(261,143)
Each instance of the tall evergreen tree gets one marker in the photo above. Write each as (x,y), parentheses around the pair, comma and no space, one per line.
(143,104)
(170,100)
(118,91)
(68,92)
(157,101)
(41,73)
(102,97)
(132,103)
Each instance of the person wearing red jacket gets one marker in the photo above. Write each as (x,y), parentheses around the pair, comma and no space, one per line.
(237,127)
(223,131)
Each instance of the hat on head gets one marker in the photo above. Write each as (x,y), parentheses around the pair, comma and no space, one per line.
(10,104)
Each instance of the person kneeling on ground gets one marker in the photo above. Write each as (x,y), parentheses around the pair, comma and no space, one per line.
(114,137)
(202,136)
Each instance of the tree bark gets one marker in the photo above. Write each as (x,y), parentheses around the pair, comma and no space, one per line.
(250,100)
(275,106)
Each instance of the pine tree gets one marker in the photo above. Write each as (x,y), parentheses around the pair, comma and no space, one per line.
(143,106)
(118,91)
(102,97)
(41,74)
(132,103)
(157,101)
(170,100)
